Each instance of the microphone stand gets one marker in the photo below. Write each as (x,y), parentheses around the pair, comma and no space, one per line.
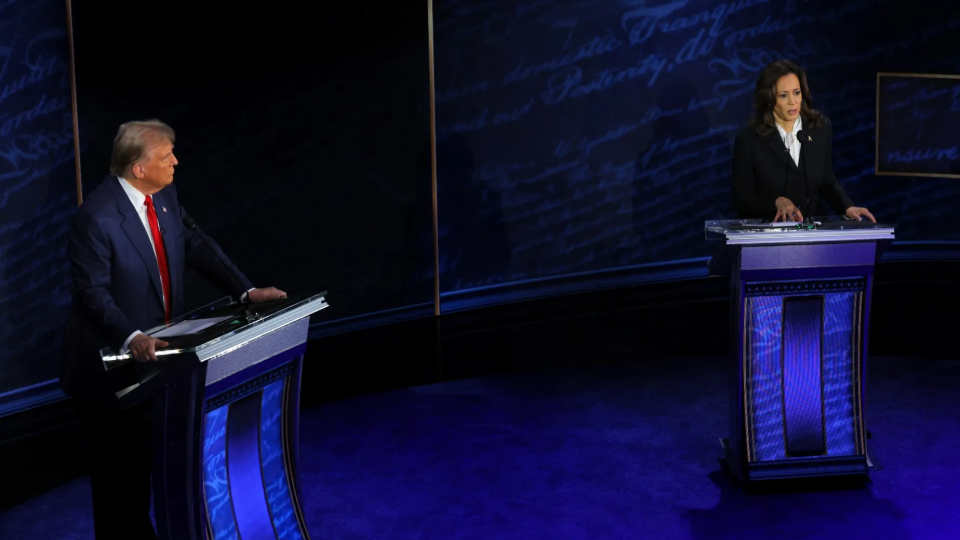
(248,315)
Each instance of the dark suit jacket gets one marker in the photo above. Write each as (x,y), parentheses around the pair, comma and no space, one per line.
(116,283)
(763,170)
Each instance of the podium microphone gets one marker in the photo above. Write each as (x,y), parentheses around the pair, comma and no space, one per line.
(189,223)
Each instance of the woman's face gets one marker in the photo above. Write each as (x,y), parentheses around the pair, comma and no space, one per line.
(788,99)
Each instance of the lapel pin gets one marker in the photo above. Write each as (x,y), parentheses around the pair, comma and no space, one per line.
(164,208)
(809,138)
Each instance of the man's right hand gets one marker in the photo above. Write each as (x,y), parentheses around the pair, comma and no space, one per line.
(144,348)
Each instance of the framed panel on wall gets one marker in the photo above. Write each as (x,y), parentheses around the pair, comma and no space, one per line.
(918,115)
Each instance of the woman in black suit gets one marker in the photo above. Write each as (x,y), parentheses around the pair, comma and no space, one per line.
(782,161)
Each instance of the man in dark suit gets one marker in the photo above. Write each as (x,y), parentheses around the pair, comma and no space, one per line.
(128,250)
(783,161)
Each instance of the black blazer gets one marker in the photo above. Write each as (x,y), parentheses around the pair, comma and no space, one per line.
(763,170)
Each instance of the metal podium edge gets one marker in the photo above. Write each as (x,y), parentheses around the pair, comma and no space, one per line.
(846,235)
(234,342)
(274,322)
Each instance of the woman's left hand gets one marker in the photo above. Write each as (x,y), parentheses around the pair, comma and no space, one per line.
(857,213)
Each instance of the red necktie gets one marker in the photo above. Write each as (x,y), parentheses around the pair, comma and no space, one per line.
(161,256)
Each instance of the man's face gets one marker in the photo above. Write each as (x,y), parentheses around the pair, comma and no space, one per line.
(156,170)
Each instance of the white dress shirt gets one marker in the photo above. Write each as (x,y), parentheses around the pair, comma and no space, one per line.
(137,199)
(790,139)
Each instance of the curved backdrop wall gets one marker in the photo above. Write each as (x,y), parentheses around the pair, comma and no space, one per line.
(575,137)
(580,143)
(38,195)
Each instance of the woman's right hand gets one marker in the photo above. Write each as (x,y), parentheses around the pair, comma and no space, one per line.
(787,211)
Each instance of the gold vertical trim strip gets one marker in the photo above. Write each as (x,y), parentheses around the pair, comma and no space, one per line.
(780,367)
(746,315)
(876,134)
(861,358)
(855,349)
(855,373)
(854,358)
(858,360)
(293,484)
(433,166)
(73,103)
(203,470)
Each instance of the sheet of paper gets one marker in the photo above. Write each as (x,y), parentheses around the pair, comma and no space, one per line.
(184,328)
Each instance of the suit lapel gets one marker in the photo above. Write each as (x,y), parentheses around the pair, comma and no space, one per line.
(133,228)
(775,143)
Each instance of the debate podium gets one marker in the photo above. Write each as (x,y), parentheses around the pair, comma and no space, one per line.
(224,403)
(800,312)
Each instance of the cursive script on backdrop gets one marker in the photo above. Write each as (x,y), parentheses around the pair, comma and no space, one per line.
(576,136)
(37,189)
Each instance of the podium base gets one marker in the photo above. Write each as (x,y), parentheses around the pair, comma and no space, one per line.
(855,468)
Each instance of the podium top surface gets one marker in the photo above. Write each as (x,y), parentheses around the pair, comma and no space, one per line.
(224,325)
(811,231)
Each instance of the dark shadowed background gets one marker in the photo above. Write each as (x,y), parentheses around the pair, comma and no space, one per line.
(580,143)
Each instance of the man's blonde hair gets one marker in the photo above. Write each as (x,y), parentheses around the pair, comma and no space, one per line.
(134,139)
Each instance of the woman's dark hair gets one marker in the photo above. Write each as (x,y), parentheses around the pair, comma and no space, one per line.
(765,98)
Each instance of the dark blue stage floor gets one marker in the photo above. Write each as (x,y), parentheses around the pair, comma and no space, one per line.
(626,450)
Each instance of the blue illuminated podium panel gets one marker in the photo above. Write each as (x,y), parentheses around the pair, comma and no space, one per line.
(224,404)
(800,304)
